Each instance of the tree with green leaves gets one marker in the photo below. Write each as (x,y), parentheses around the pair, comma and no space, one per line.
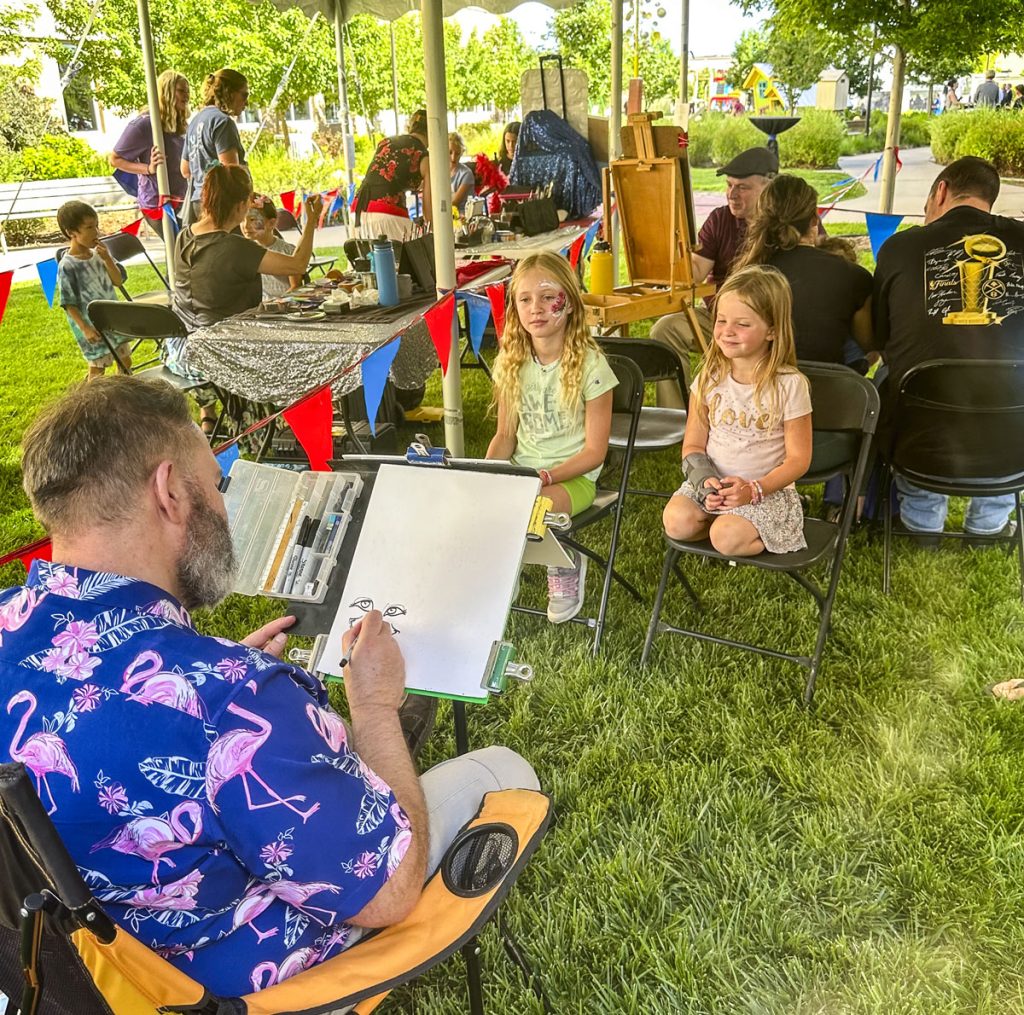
(797,57)
(751,48)
(508,55)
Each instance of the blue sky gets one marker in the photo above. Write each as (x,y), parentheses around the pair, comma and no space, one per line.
(714,27)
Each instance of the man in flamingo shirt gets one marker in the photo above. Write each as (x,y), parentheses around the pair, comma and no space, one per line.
(210,797)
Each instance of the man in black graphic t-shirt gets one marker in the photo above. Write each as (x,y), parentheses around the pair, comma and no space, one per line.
(953,289)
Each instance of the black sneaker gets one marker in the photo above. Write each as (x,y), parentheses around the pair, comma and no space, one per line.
(416,717)
(980,542)
(925,540)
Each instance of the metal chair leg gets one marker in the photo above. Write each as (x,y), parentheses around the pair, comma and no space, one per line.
(671,556)
(1020,543)
(474,982)
(887,532)
(515,954)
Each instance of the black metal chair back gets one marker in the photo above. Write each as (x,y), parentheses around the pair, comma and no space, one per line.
(286,220)
(123,246)
(656,360)
(137,322)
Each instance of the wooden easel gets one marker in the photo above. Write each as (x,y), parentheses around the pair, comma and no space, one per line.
(652,193)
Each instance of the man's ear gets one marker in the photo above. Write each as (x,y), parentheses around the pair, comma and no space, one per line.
(170,492)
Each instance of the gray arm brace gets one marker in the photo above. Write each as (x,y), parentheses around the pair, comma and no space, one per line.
(697,468)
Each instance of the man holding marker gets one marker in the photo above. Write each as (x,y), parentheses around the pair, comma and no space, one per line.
(256,790)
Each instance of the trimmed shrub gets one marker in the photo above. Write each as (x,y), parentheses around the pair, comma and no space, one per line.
(946,131)
(56,157)
(997,136)
(735,134)
(701,136)
(815,142)
(481,137)
(915,130)
(275,171)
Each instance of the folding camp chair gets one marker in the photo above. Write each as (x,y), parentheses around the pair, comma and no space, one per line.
(627,402)
(64,956)
(962,418)
(659,428)
(843,403)
(286,220)
(123,247)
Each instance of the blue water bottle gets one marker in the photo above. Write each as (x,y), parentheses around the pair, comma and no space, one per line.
(386,272)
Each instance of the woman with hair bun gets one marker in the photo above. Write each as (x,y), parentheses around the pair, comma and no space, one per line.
(217,271)
(213,135)
(398,165)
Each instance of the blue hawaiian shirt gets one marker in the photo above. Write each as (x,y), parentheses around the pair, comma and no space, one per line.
(205,789)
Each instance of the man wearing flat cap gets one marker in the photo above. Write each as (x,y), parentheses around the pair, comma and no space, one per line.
(718,243)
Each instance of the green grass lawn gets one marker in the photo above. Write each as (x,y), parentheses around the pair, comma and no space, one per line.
(719,850)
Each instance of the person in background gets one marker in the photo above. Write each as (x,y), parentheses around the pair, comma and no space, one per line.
(85,273)
(135,152)
(987,93)
(952,102)
(462,176)
(212,135)
(216,269)
(260,225)
(1017,103)
(509,140)
(399,164)
(1006,95)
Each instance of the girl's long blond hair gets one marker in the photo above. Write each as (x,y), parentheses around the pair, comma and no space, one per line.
(517,347)
(766,291)
(173,120)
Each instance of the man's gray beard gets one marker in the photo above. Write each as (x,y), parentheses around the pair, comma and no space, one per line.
(206,568)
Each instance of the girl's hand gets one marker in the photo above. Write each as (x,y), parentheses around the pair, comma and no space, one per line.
(734,492)
(314,204)
(155,159)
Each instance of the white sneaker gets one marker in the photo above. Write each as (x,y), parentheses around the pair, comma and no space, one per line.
(566,586)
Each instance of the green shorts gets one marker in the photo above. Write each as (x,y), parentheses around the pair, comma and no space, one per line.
(581,491)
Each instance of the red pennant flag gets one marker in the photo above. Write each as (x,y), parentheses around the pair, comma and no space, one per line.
(496,294)
(288,201)
(576,249)
(156,214)
(439,324)
(6,278)
(132,228)
(41,549)
(310,421)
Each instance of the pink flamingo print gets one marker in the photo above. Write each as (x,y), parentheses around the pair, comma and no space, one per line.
(178,895)
(294,962)
(16,611)
(42,753)
(295,893)
(160,687)
(329,725)
(231,755)
(151,837)
(403,837)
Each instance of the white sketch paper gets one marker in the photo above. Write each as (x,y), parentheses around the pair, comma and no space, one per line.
(439,553)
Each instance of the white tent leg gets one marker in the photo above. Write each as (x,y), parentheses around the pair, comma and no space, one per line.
(615,125)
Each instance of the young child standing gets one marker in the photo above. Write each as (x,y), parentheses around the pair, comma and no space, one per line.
(87,272)
(260,224)
(553,393)
(748,428)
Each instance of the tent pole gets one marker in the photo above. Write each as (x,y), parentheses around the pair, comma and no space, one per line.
(615,123)
(892,134)
(441,205)
(347,140)
(684,56)
(152,98)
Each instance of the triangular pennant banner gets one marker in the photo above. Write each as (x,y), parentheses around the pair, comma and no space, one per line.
(589,237)
(310,421)
(439,323)
(496,294)
(376,368)
(132,228)
(41,549)
(48,277)
(880,228)
(288,201)
(6,277)
(227,458)
(153,213)
(576,249)
(478,308)
(169,212)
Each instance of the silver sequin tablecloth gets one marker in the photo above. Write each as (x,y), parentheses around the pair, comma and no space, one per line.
(272,360)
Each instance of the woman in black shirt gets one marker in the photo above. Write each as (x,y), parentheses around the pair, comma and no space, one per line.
(831,292)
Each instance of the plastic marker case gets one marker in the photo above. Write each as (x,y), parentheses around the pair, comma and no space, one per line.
(287,528)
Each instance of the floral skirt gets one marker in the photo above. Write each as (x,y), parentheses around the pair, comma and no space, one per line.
(779,519)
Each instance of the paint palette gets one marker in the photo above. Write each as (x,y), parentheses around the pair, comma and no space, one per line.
(306,315)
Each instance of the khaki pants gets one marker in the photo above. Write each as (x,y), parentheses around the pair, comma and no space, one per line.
(675,330)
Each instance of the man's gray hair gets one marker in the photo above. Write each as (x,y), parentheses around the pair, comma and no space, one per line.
(87,456)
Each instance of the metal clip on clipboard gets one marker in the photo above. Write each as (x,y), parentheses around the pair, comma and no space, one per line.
(422,452)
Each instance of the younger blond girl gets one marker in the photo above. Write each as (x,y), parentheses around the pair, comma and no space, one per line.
(553,392)
(748,430)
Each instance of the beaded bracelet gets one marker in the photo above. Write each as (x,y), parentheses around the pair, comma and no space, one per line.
(545,477)
(756,493)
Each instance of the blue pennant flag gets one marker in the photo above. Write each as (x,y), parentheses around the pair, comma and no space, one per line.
(169,212)
(878,165)
(227,458)
(128,182)
(48,277)
(591,233)
(479,311)
(880,228)
(564,252)
(336,204)
(351,192)
(376,368)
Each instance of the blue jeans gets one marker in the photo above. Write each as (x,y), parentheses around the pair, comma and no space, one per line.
(924,511)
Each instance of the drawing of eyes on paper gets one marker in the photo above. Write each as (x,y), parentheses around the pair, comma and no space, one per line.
(362,605)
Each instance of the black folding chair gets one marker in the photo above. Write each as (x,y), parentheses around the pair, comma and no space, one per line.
(962,418)
(123,247)
(286,220)
(61,251)
(659,428)
(627,402)
(844,403)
